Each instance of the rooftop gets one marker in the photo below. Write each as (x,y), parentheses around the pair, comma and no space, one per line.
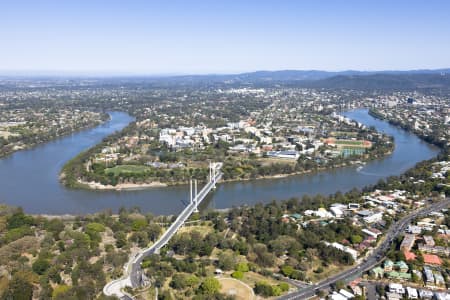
(432,259)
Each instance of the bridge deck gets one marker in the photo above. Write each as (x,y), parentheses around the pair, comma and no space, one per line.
(134,276)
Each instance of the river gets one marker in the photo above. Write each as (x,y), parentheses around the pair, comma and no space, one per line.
(29,178)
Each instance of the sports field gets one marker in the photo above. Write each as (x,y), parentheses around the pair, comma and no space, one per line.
(348,143)
(127,169)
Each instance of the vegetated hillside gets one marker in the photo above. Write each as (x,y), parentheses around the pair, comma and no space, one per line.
(383,81)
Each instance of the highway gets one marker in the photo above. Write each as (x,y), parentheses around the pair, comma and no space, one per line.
(374,258)
(132,270)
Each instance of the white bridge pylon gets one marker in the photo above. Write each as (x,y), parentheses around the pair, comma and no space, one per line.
(214,169)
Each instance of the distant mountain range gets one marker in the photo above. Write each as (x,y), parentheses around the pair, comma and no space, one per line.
(322,79)
(303,74)
(361,80)
(289,75)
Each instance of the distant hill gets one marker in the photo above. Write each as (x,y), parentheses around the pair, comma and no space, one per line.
(317,75)
(350,79)
(383,81)
(322,79)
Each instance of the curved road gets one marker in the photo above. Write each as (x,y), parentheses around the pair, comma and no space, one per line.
(371,261)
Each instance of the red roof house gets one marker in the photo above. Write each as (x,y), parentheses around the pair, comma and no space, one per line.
(432,259)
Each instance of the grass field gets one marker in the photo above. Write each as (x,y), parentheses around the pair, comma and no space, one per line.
(350,143)
(127,169)
(343,133)
(236,288)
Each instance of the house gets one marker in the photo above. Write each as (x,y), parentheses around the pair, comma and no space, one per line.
(429,241)
(353,206)
(288,154)
(337,296)
(414,229)
(396,288)
(409,255)
(372,232)
(373,218)
(346,294)
(377,272)
(343,248)
(401,266)
(393,296)
(408,242)
(323,213)
(431,259)
(337,212)
(424,294)
(356,290)
(411,293)
(434,249)
(442,296)
(296,217)
(429,277)
(438,278)
(398,275)
(388,265)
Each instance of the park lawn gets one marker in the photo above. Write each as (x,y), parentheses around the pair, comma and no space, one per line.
(236,288)
(127,169)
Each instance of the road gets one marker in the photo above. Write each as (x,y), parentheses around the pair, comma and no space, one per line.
(371,261)
(132,270)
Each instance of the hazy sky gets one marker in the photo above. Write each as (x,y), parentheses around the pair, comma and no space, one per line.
(155,37)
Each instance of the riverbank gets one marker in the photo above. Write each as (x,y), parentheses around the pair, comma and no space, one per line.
(142,186)
(44,140)
(121,186)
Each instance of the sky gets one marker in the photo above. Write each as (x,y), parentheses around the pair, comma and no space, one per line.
(228,36)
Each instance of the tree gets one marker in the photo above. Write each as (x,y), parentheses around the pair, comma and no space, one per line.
(60,290)
(287,270)
(242,267)
(210,286)
(284,286)
(55,226)
(178,281)
(20,287)
(40,266)
(237,275)
(340,284)
(227,261)
(139,224)
(121,239)
(264,289)
(356,239)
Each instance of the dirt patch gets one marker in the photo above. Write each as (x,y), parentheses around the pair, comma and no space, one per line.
(236,288)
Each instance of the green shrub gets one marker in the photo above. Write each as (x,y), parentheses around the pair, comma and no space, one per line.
(237,275)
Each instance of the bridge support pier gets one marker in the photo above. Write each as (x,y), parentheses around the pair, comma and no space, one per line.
(190,191)
(195,198)
(212,174)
